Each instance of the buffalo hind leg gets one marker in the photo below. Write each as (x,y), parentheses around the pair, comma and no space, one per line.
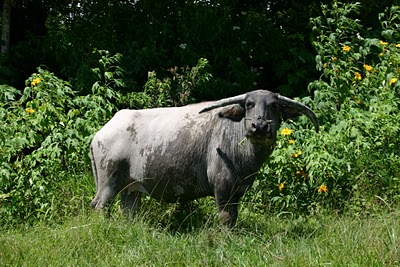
(110,181)
(130,202)
(103,198)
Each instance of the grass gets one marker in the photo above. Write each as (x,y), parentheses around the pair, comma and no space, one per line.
(92,240)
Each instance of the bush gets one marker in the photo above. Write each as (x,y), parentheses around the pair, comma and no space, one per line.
(45,135)
(353,163)
(172,92)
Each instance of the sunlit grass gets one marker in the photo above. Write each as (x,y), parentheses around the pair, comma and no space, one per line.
(93,240)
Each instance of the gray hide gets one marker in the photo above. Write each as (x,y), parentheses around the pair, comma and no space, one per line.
(180,154)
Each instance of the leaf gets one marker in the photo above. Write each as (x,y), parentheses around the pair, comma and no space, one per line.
(109,75)
(4,196)
(95,88)
(388,34)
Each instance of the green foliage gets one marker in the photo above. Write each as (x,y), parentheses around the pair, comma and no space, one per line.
(109,75)
(354,161)
(175,91)
(44,142)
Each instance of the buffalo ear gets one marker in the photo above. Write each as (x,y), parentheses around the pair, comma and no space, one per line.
(233,112)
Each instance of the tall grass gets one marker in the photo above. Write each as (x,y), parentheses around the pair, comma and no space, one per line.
(93,240)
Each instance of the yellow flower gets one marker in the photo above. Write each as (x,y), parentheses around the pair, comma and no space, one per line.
(281,186)
(357,76)
(398,45)
(393,81)
(346,48)
(35,81)
(297,154)
(367,67)
(291,141)
(30,110)
(334,59)
(322,189)
(286,131)
(383,43)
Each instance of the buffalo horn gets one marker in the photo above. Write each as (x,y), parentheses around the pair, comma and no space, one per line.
(300,108)
(225,102)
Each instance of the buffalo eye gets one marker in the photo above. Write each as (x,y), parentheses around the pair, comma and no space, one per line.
(249,105)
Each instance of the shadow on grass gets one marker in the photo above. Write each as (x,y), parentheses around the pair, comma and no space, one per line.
(199,215)
(186,217)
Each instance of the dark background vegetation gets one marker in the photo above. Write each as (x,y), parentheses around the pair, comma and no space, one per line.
(249,44)
(70,65)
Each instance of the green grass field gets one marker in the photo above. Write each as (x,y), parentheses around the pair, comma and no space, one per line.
(93,240)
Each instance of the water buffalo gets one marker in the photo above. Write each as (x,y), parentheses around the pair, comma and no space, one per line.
(183,153)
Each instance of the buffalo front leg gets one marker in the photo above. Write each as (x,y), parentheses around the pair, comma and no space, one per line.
(227,208)
(228,213)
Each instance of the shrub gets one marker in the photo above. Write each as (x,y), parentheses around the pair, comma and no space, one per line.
(175,91)
(45,135)
(353,163)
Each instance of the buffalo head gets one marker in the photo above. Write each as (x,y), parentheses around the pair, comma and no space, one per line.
(262,112)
